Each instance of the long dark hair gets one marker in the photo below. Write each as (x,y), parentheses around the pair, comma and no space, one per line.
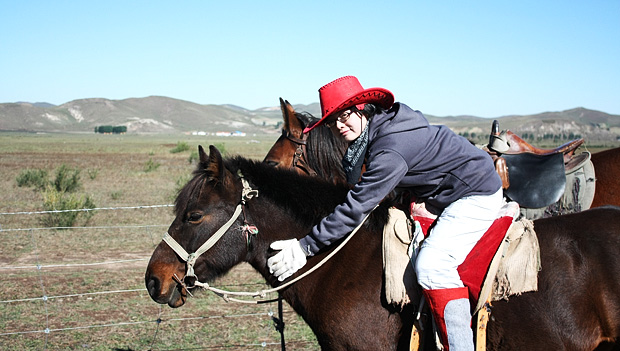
(369,110)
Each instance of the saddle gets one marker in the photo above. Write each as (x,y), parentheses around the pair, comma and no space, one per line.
(537,178)
(509,143)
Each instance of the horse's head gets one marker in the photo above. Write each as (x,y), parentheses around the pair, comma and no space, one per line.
(289,151)
(204,205)
(318,153)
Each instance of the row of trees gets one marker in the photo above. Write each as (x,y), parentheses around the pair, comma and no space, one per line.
(551,136)
(527,136)
(111,129)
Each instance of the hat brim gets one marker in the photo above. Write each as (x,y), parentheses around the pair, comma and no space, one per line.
(377,96)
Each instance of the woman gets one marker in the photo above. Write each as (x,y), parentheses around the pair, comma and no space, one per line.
(399,148)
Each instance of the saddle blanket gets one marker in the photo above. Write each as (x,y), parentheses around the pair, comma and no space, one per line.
(518,269)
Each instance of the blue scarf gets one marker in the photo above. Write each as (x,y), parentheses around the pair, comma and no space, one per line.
(353,159)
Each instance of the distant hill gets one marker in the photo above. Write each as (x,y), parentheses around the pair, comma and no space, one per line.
(154,114)
(593,126)
(158,114)
(37,104)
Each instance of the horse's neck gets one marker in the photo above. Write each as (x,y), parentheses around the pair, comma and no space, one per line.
(271,228)
(359,251)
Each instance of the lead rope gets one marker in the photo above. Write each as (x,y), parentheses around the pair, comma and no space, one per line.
(262,293)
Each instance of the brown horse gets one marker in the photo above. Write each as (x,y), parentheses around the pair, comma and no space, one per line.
(326,162)
(318,153)
(577,306)
(607,190)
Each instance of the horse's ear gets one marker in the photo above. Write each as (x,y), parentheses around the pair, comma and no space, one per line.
(284,109)
(203,155)
(214,164)
(291,122)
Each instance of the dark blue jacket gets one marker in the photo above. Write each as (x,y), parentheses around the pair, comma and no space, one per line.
(405,151)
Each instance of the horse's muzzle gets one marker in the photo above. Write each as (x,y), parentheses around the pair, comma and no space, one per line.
(173,294)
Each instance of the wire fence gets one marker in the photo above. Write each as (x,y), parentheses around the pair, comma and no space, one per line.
(83,288)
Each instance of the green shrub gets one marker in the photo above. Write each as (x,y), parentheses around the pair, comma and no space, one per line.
(54,200)
(181,146)
(151,166)
(193,156)
(92,173)
(36,178)
(59,195)
(67,179)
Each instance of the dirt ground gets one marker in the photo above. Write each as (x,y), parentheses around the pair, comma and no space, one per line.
(83,287)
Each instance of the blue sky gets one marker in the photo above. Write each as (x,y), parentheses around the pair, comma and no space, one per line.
(482,58)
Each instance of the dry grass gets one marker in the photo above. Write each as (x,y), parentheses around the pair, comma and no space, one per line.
(77,314)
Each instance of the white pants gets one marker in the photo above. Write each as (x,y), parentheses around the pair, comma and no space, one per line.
(456,232)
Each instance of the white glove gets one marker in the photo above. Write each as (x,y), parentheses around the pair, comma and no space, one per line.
(288,261)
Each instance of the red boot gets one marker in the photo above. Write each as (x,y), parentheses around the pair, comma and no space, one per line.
(451,310)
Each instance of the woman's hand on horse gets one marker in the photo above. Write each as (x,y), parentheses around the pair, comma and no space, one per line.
(288,261)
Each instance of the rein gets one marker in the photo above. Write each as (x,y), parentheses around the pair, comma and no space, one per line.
(247,194)
(300,156)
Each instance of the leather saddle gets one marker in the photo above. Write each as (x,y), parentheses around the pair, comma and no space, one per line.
(531,176)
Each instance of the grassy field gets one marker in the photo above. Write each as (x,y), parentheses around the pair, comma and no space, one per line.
(83,287)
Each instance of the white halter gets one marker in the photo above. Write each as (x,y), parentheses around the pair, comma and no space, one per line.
(246,194)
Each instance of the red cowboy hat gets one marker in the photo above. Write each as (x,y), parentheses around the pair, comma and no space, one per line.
(345,92)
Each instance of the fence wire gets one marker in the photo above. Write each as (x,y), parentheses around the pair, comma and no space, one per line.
(53,304)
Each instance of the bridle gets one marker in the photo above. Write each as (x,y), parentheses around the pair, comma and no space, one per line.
(246,194)
(300,158)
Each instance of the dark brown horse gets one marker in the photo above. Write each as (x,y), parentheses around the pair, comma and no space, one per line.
(326,162)
(577,306)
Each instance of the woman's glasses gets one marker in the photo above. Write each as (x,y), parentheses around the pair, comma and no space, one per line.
(342,118)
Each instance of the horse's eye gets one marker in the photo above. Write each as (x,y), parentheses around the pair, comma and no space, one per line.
(272,163)
(194,217)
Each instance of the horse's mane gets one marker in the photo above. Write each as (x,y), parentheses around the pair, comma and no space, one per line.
(324,149)
(308,199)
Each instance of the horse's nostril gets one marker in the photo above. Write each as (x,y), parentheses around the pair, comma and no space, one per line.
(153,287)
(189,281)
